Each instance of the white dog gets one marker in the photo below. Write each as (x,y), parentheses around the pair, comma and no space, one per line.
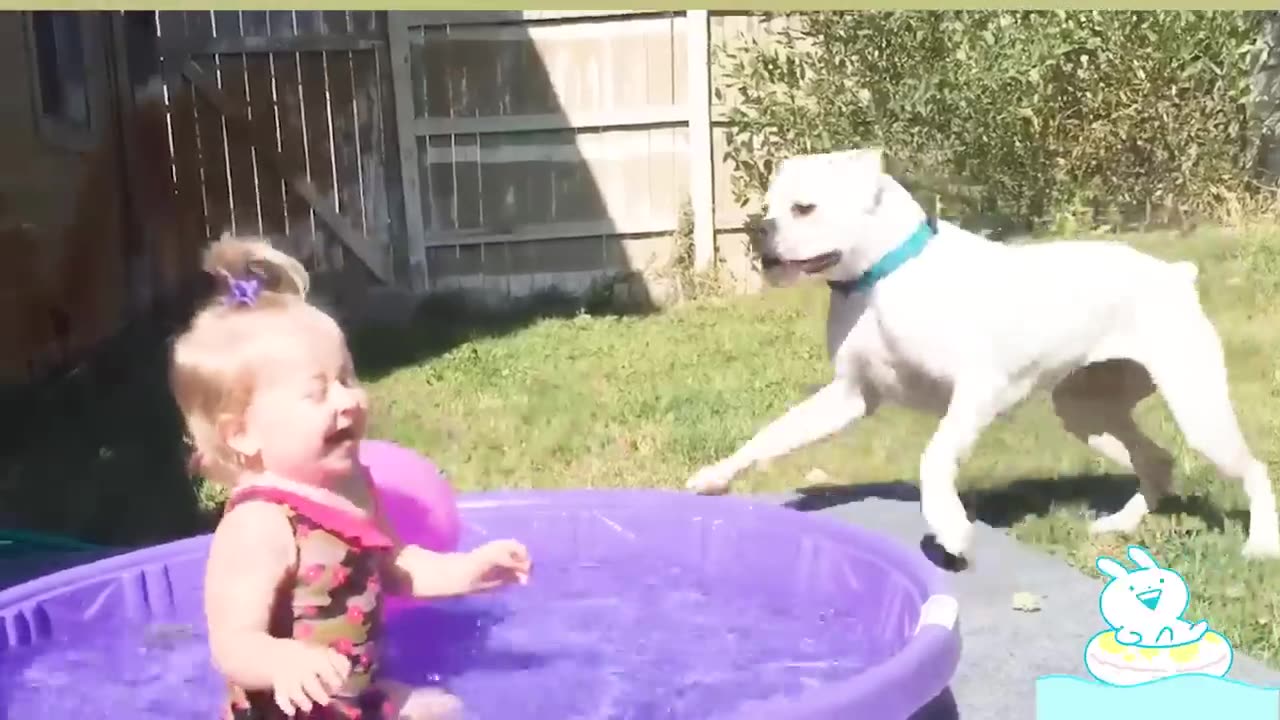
(947,322)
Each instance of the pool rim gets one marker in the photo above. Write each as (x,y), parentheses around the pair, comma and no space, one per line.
(926,663)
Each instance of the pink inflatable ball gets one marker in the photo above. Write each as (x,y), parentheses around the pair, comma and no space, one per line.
(414,495)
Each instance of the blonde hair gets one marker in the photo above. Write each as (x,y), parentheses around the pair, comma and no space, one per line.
(211,370)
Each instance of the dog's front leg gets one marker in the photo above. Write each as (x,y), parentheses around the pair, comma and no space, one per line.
(970,411)
(822,414)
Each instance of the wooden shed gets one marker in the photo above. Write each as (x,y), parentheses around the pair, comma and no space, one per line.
(74,261)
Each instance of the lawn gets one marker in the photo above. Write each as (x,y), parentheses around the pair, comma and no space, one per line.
(642,401)
(583,400)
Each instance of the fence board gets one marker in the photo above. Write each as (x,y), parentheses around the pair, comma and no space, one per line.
(240,161)
(659,68)
(701,164)
(467,188)
(418,211)
(269,44)
(367,91)
(260,80)
(438,192)
(212,139)
(488,17)
(299,224)
(640,117)
(342,116)
(315,118)
(389,199)
(184,141)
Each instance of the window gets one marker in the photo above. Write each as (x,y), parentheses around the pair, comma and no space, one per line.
(61,76)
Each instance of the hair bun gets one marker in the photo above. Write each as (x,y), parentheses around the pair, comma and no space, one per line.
(232,258)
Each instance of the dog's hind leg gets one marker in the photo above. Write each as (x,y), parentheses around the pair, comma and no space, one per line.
(1191,374)
(1095,404)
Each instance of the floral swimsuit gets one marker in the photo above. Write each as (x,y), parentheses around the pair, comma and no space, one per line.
(334,599)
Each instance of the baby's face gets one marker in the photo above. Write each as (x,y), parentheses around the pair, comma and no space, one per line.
(308,412)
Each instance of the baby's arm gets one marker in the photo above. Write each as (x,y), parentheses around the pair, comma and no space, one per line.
(421,573)
(426,574)
(252,552)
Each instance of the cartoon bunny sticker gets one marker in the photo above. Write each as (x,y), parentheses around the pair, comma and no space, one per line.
(1145,606)
(1149,661)
(1148,639)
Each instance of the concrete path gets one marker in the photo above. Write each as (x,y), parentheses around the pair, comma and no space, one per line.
(1004,650)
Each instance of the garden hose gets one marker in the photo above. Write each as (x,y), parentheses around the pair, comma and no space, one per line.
(22,541)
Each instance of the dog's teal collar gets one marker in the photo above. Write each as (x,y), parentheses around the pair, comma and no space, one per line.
(891,261)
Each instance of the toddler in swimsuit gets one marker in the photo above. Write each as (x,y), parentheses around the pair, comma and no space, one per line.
(302,556)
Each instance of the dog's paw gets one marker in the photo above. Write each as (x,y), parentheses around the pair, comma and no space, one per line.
(955,539)
(711,480)
(1116,522)
(1256,548)
(948,522)
(940,557)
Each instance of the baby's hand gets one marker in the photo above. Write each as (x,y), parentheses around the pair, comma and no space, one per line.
(497,563)
(307,676)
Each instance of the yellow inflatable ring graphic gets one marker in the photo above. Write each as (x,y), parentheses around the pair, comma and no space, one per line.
(1112,662)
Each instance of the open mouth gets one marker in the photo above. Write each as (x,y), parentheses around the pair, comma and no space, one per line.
(339,437)
(813,265)
(1150,598)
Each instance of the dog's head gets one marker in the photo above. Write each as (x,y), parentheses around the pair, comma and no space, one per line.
(825,216)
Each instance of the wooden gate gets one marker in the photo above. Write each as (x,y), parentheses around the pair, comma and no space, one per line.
(278,125)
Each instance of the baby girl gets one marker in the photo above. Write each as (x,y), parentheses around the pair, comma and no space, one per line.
(302,557)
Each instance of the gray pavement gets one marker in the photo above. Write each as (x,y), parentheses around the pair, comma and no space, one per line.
(1005,650)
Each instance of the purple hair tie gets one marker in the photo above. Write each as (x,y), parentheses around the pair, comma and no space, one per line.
(242,292)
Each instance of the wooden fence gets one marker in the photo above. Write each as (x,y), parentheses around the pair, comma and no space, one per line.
(548,148)
(497,151)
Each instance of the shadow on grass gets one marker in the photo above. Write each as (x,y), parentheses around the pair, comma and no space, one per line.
(443,322)
(1003,507)
(95,451)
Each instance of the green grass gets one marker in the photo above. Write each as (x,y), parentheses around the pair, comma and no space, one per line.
(580,400)
(604,401)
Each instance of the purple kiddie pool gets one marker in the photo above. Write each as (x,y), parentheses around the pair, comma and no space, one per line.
(643,604)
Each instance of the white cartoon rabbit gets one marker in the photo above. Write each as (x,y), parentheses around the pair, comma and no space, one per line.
(1145,606)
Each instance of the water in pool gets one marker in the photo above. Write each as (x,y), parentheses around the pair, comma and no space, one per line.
(557,650)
